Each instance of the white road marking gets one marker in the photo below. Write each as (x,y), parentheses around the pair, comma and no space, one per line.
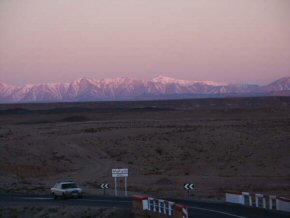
(34,198)
(217,211)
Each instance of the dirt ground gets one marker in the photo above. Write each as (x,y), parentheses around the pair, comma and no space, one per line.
(217,144)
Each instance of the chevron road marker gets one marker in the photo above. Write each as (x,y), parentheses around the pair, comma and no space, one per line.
(188,186)
(104,186)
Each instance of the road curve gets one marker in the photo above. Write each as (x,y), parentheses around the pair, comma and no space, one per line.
(224,210)
(195,208)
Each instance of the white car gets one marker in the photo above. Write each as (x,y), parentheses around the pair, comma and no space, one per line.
(66,190)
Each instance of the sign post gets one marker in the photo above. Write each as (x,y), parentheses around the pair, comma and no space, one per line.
(104,186)
(126,186)
(188,187)
(120,173)
(116,193)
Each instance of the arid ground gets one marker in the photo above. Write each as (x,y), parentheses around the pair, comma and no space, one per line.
(240,144)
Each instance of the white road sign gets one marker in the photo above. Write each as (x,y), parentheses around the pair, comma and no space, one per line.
(188,186)
(120,172)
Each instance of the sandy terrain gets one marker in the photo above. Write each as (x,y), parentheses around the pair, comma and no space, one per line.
(217,144)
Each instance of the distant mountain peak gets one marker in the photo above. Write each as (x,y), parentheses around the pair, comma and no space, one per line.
(282,80)
(281,84)
(166,79)
(161,77)
(83,79)
(125,88)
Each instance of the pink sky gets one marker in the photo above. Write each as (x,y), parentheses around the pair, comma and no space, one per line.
(234,41)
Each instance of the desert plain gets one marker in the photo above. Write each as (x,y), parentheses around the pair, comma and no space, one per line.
(238,144)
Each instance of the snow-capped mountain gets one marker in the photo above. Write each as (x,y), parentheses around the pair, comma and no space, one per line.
(160,87)
(278,85)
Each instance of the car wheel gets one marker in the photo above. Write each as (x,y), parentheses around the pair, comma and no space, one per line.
(63,196)
(80,196)
(54,196)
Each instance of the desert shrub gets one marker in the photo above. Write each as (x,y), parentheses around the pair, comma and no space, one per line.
(159,151)
(75,119)
(90,130)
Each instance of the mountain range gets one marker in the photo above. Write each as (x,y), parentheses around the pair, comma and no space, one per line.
(118,89)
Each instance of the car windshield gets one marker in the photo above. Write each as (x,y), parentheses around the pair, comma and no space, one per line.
(68,185)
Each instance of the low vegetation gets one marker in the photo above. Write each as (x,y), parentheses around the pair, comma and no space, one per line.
(246,148)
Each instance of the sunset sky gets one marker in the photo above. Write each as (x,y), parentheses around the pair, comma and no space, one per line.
(233,41)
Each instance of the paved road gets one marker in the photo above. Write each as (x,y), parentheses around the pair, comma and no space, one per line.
(195,208)
(45,200)
(219,210)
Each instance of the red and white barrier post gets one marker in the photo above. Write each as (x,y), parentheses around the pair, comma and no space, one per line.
(271,199)
(259,197)
(181,209)
(144,204)
(249,196)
